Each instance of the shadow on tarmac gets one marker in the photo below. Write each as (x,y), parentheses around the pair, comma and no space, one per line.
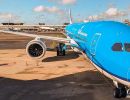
(86,85)
(69,55)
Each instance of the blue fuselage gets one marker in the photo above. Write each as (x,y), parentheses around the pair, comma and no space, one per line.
(96,40)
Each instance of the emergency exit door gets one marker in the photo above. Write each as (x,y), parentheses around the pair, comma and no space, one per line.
(94,43)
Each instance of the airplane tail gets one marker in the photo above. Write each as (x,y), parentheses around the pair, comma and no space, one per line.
(70,17)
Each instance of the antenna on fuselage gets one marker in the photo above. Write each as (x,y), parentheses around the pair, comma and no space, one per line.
(70,17)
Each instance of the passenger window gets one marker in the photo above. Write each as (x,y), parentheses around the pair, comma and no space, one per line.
(117,47)
(127,47)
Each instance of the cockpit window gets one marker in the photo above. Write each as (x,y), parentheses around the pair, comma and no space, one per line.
(117,47)
(127,47)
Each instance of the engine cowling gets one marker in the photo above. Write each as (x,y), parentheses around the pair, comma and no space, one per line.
(36,49)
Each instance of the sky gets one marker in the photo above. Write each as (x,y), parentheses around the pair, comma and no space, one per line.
(57,11)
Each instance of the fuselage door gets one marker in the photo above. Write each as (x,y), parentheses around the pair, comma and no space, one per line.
(94,43)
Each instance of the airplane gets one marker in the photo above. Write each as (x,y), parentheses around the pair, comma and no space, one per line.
(105,43)
(47,28)
(15,29)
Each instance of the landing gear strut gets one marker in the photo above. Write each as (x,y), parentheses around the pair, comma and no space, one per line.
(61,49)
(120,91)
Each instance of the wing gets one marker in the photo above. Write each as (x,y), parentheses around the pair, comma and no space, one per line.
(65,40)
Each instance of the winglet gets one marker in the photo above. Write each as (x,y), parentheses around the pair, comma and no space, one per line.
(70,16)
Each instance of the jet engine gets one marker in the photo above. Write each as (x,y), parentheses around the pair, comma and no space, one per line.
(36,49)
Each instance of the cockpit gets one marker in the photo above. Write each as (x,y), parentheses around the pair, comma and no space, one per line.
(127,47)
(120,47)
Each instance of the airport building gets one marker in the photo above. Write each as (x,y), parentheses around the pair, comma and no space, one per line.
(42,24)
(12,23)
(40,27)
(66,23)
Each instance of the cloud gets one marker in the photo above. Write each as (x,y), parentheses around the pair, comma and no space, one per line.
(110,13)
(39,9)
(60,15)
(64,2)
(9,16)
(47,9)
(114,12)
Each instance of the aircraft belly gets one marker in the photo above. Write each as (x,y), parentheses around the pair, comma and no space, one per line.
(109,74)
(117,71)
(112,70)
(114,78)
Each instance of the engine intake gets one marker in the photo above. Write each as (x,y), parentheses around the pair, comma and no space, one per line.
(36,49)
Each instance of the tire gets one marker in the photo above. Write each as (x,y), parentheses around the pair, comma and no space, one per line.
(63,52)
(120,92)
(117,93)
(123,92)
(57,52)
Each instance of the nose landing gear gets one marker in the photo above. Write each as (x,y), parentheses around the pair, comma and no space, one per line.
(120,91)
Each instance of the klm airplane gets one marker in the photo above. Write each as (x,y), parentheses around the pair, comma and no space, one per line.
(105,43)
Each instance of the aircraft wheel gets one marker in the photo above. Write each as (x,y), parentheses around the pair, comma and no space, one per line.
(117,93)
(124,92)
(63,52)
(61,49)
(57,52)
(120,93)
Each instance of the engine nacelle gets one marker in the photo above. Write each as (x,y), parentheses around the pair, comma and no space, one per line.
(36,49)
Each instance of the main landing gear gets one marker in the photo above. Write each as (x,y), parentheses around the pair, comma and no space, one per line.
(120,91)
(61,49)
